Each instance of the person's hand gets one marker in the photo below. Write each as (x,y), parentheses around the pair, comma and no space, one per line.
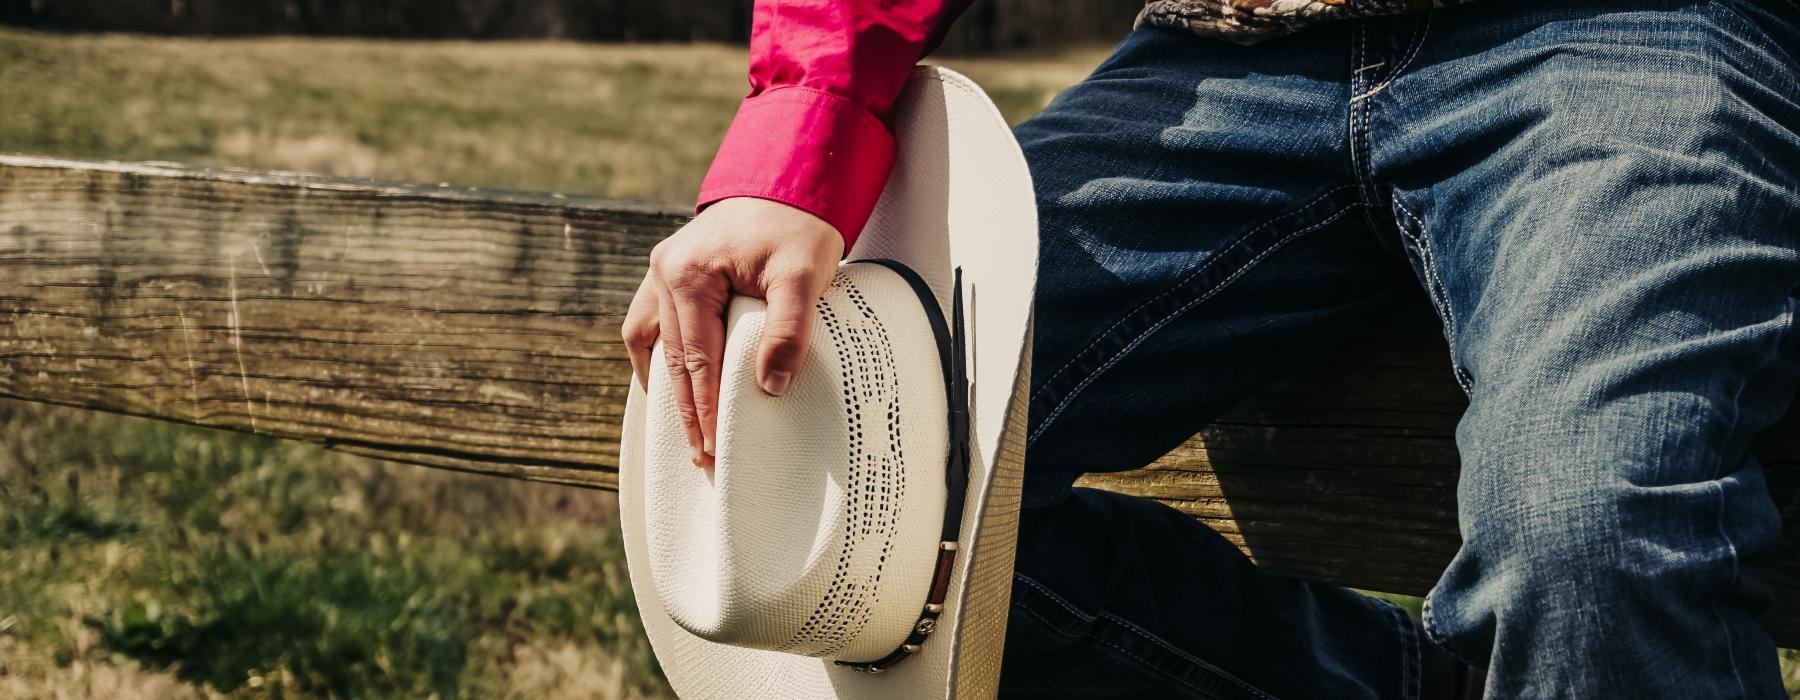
(742,245)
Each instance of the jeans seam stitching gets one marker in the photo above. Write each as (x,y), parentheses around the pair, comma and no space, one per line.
(1412,655)
(1730,648)
(1027,580)
(1719,523)
(1153,667)
(1718,468)
(1367,171)
(1428,263)
(1179,282)
(1135,342)
(1435,288)
(1428,622)
(1128,626)
(1362,168)
(1356,83)
(1052,624)
(1404,62)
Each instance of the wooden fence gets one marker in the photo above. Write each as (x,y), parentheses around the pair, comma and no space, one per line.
(476,330)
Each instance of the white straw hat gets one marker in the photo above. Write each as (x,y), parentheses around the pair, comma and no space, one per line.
(845,545)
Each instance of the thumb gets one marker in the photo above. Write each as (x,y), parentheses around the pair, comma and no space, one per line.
(787,324)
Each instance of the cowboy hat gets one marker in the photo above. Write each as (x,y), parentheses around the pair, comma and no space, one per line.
(856,536)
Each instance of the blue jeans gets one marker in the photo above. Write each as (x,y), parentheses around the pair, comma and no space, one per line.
(1601,198)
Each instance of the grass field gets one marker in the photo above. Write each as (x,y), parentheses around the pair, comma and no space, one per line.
(142,560)
(627,121)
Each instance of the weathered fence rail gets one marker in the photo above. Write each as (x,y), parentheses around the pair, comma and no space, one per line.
(475,330)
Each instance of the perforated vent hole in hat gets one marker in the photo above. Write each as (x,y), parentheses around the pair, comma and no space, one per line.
(875,479)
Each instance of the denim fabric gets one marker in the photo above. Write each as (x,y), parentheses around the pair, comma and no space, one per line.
(1601,199)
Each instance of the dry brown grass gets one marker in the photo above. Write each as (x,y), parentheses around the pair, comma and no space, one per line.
(29,675)
(638,121)
(631,121)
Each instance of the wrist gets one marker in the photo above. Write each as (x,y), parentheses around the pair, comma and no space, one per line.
(769,214)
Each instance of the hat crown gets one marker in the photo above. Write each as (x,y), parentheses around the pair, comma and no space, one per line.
(816,532)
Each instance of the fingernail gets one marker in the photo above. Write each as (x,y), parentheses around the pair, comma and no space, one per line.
(697,460)
(777,383)
(708,448)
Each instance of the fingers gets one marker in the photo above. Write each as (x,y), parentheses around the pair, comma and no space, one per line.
(639,331)
(700,310)
(787,324)
(754,247)
(670,327)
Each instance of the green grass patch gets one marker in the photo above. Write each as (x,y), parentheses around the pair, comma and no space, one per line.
(250,566)
(337,623)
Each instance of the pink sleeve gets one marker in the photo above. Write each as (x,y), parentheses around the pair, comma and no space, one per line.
(823,76)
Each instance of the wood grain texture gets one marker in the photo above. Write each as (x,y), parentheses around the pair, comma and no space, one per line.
(476,330)
(470,330)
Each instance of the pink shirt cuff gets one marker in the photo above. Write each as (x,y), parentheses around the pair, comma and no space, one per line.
(806,148)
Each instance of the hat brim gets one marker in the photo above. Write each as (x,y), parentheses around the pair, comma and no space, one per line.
(959,196)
